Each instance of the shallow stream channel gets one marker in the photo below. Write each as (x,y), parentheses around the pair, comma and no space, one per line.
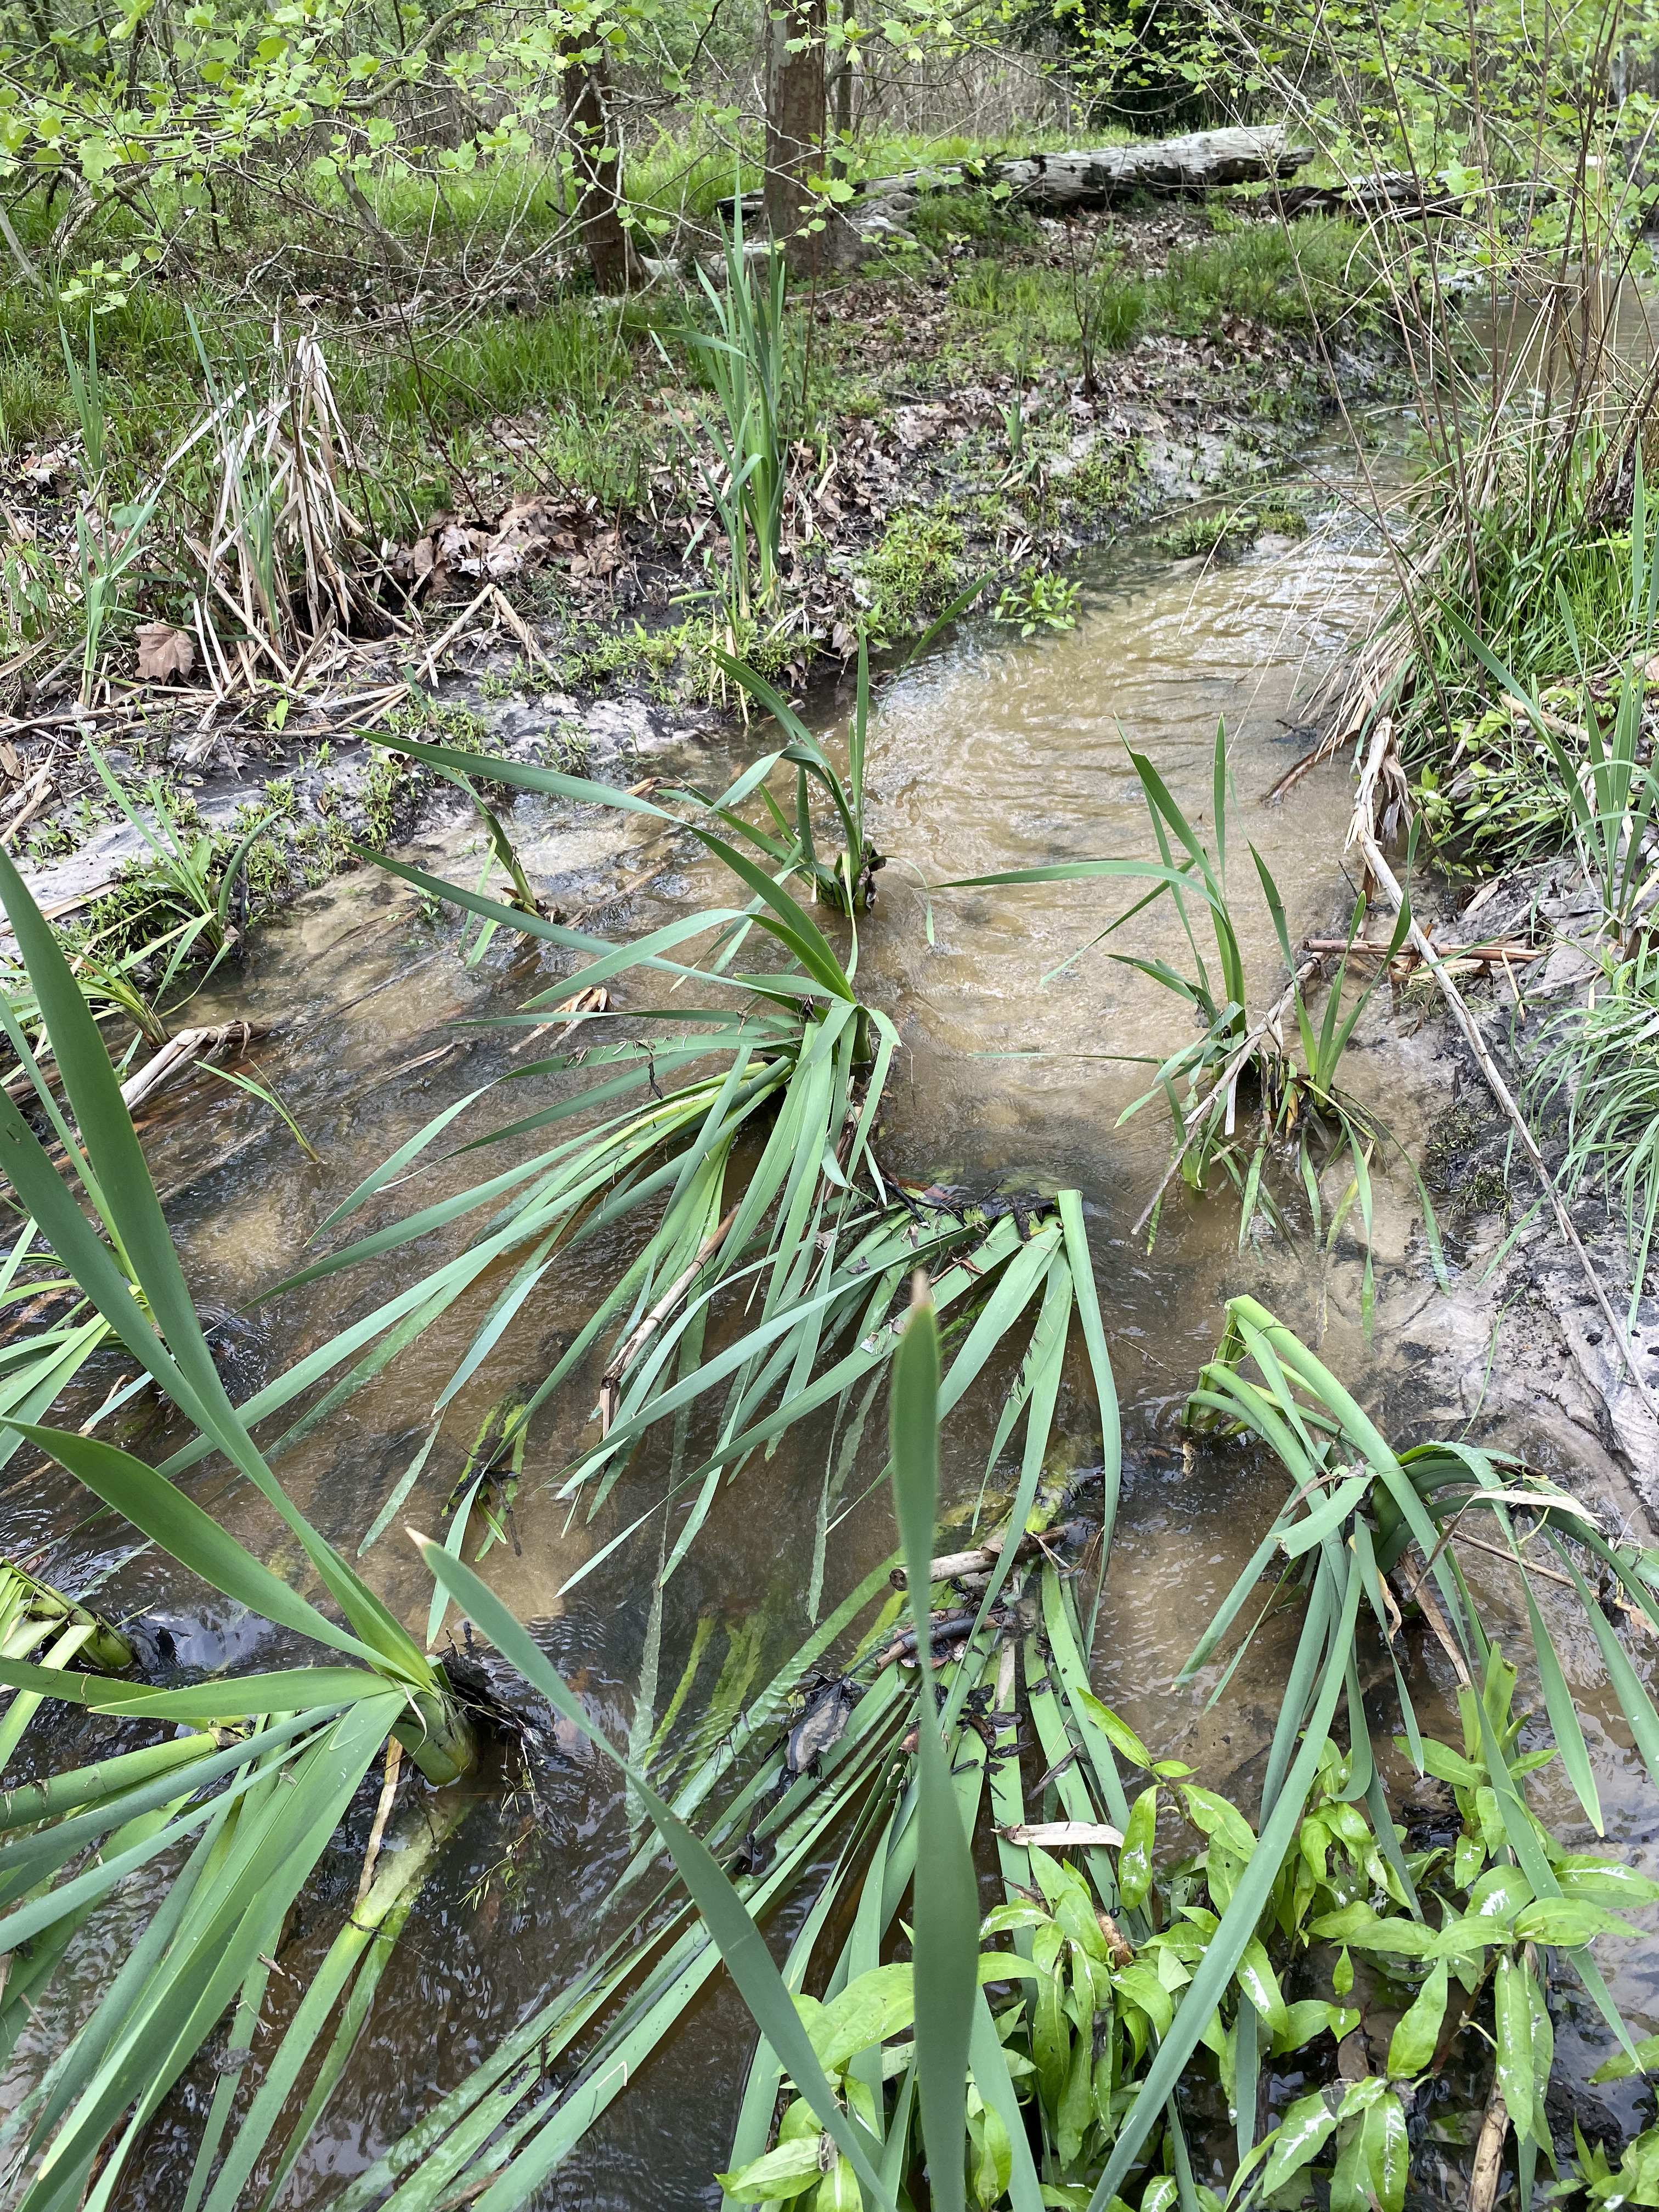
(991,753)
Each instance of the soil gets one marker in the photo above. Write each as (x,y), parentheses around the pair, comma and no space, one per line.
(597,630)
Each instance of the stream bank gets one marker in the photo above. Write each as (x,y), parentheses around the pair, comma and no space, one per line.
(1007,393)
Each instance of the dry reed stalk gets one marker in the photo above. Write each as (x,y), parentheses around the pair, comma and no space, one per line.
(1268,1030)
(610,1381)
(187,1049)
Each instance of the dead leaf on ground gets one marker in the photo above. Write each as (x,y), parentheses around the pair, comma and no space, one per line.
(10,763)
(164,653)
(525,536)
(40,468)
(602,559)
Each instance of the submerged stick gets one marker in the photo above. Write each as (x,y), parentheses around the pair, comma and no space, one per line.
(610,1381)
(1477,1043)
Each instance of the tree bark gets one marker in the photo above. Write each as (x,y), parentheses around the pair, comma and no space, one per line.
(795,123)
(604,235)
(844,97)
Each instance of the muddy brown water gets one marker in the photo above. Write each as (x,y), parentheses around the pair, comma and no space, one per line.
(992,754)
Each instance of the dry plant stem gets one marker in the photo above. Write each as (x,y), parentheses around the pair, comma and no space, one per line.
(454,631)
(1497,955)
(186,1050)
(1495,1083)
(610,1381)
(1429,1607)
(394,1752)
(1487,2170)
(1530,1566)
(27,804)
(1229,1075)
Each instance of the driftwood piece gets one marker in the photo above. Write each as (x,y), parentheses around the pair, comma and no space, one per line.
(951,1566)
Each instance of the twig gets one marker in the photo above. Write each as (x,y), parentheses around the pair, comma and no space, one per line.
(14,729)
(453,632)
(61,907)
(1495,1083)
(27,802)
(610,1381)
(521,629)
(1228,1076)
(394,1752)
(1528,1566)
(1497,955)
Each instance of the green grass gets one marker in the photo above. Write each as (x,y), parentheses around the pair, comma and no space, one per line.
(914,570)
(941,220)
(1287,276)
(1227,529)
(1023,312)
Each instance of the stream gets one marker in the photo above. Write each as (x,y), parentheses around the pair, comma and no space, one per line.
(992,753)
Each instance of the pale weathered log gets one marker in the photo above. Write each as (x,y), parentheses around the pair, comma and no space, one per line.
(1199,163)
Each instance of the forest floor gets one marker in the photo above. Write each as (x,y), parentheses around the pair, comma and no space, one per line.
(538,549)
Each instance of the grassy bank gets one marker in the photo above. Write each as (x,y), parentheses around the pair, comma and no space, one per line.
(1048,346)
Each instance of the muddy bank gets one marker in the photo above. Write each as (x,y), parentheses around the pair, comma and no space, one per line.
(1014,391)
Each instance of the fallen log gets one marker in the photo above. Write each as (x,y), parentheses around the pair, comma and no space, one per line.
(1201,161)
(1188,167)
(1397,195)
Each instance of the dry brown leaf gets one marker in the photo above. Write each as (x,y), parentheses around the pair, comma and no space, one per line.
(164,653)
(10,761)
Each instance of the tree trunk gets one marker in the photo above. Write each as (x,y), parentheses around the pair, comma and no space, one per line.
(795,123)
(605,236)
(844,98)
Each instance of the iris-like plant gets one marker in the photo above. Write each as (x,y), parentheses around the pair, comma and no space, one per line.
(744,358)
(1301,1112)
(815,1238)
(286,1750)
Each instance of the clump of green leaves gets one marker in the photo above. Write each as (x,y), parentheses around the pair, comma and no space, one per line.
(1224,531)
(1036,600)
(913,571)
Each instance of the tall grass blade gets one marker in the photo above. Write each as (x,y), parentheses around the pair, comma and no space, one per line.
(946,1902)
